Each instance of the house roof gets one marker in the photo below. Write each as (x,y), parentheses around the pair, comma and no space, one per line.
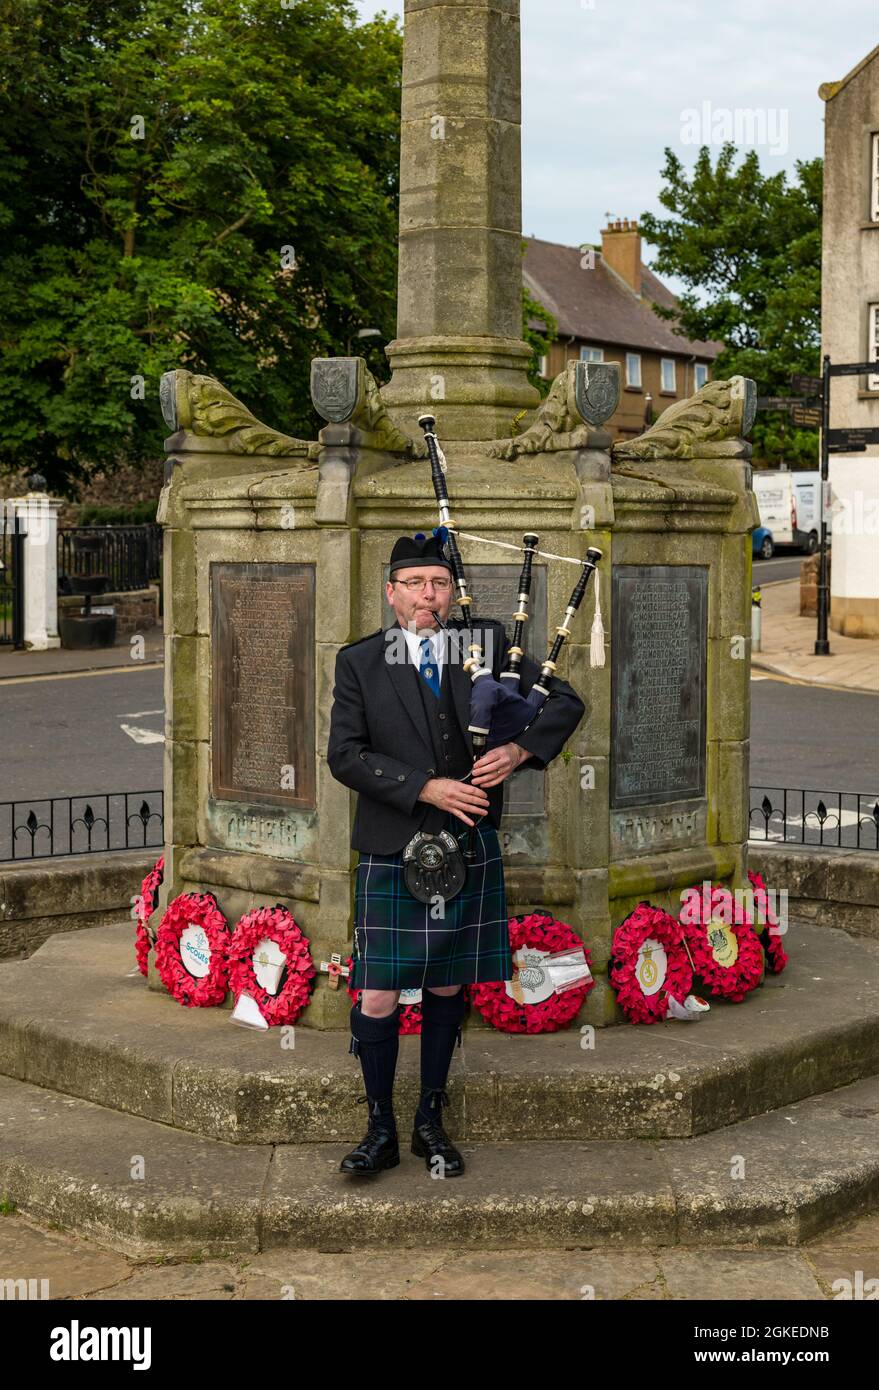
(597,304)
(828,90)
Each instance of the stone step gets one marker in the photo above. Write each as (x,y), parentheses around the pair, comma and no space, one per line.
(75,1019)
(774,1180)
(103,1036)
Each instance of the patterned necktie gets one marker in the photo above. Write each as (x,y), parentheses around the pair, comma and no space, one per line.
(427,668)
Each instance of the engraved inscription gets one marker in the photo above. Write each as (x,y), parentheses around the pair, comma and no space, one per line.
(262,833)
(262,733)
(658,681)
(644,832)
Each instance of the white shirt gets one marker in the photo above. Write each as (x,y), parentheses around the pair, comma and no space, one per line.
(437,646)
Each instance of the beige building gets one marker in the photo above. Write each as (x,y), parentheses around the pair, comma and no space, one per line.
(602,301)
(850,333)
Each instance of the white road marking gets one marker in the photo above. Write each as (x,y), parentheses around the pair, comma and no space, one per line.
(139,713)
(141,735)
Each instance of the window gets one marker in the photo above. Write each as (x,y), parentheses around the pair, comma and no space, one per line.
(633,369)
(700,375)
(668,374)
(874,176)
(542,365)
(873,345)
(591,354)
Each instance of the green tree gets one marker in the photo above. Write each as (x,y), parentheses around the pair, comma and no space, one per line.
(747,247)
(539,329)
(200,183)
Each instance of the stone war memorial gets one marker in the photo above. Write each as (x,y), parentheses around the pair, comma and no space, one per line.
(276,556)
(276,551)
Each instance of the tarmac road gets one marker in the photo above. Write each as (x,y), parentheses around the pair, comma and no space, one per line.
(90,733)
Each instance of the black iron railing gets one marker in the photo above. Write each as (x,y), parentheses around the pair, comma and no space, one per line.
(57,825)
(12,535)
(130,556)
(797,816)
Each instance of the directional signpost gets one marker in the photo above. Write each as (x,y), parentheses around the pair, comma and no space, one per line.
(852,441)
(806,417)
(806,385)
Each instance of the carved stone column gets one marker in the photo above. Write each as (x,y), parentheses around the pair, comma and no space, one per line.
(459,351)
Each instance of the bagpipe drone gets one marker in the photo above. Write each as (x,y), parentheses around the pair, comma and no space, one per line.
(498,712)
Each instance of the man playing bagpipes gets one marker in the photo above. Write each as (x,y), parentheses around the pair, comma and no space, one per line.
(430,902)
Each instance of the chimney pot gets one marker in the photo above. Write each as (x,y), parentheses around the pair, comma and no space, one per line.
(623,253)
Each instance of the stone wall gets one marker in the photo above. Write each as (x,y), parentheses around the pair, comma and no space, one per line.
(42,897)
(137,610)
(832,887)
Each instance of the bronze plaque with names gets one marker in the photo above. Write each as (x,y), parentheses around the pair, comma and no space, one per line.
(262,683)
(658,679)
(495,590)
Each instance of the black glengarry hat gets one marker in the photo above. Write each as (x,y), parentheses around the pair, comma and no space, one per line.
(418,550)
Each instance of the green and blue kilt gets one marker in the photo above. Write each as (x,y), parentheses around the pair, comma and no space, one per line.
(398,944)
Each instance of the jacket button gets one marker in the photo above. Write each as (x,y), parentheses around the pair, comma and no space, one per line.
(445,735)
(378,772)
(442,716)
(431,772)
(401,778)
(363,754)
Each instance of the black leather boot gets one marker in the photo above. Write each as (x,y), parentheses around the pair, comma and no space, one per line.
(377,1149)
(430,1141)
(376,1042)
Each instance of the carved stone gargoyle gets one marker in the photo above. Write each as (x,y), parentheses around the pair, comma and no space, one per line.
(202,407)
(580,399)
(344,392)
(712,424)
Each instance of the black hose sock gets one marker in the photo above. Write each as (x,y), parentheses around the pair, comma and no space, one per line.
(441,1018)
(376,1042)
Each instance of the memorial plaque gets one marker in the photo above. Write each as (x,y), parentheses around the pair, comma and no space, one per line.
(262,651)
(495,590)
(658,676)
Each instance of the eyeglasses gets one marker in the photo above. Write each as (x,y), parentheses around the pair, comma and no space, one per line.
(418,585)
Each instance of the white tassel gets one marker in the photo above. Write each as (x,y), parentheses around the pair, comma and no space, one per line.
(596,642)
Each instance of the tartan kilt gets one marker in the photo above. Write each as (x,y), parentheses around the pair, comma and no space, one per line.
(399,945)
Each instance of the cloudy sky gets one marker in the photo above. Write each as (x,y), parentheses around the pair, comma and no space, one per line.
(607,84)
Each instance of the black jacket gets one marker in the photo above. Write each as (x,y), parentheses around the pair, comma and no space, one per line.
(380,746)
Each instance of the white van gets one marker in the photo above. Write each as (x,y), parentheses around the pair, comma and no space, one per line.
(790,507)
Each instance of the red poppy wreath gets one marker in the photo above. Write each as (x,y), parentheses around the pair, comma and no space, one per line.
(726,953)
(538,1008)
(410,1014)
(196,919)
(144,907)
(278,925)
(770,933)
(648,964)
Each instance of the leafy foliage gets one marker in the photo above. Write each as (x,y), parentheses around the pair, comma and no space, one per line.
(748,248)
(156,159)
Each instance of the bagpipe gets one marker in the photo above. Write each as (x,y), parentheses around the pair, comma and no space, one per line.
(498,712)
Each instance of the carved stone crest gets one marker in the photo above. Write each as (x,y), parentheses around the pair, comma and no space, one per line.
(581,397)
(596,390)
(337,387)
(345,392)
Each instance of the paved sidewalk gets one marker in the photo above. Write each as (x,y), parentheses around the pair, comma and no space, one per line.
(59,662)
(838,1264)
(787,650)
(788,646)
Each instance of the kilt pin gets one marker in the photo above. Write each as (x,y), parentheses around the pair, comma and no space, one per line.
(400,718)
